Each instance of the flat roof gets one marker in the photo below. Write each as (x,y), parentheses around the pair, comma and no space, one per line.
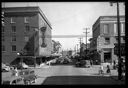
(101,17)
(26,9)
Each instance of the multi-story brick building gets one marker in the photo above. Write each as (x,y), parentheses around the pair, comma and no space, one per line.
(26,29)
(105,37)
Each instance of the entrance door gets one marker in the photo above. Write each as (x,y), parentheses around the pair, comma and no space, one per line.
(107,57)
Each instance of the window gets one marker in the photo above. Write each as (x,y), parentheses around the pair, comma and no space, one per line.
(3,48)
(122,28)
(26,38)
(13,47)
(107,40)
(3,37)
(26,19)
(12,20)
(3,30)
(27,28)
(123,38)
(13,29)
(115,29)
(14,38)
(106,29)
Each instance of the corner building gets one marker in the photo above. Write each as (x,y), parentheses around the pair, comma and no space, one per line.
(105,36)
(26,30)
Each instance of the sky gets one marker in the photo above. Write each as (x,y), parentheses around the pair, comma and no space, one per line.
(71,18)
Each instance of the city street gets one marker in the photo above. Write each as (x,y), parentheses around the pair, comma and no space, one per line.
(70,75)
(68,43)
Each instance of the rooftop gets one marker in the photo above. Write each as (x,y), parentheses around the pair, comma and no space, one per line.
(26,10)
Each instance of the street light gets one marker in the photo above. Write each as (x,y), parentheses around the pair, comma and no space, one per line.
(119,50)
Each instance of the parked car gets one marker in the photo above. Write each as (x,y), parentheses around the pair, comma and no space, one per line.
(83,63)
(5,68)
(28,76)
(15,80)
(78,64)
(87,63)
(19,66)
(65,61)
(25,66)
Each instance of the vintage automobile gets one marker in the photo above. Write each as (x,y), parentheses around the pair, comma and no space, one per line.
(28,76)
(5,68)
(83,63)
(13,80)
(87,63)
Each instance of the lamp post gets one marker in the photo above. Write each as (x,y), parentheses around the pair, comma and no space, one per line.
(119,50)
(21,60)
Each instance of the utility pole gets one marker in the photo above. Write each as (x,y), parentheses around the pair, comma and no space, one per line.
(86,37)
(119,50)
(77,48)
(80,46)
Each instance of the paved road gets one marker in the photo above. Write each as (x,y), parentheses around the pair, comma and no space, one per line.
(70,75)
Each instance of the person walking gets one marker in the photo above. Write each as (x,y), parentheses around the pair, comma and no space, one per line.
(91,62)
(114,64)
(101,70)
(108,71)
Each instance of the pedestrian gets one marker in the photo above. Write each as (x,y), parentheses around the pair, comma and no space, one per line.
(13,71)
(101,70)
(108,69)
(114,64)
(96,62)
(16,72)
(91,62)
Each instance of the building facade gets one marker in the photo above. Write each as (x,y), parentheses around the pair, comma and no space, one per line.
(26,30)
(105,36)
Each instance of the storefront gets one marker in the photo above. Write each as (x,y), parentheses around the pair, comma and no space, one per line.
(107,55)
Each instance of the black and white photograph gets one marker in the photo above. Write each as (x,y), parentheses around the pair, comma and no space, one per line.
(63,43)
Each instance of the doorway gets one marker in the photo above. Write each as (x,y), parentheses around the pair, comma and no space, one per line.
(107,57)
